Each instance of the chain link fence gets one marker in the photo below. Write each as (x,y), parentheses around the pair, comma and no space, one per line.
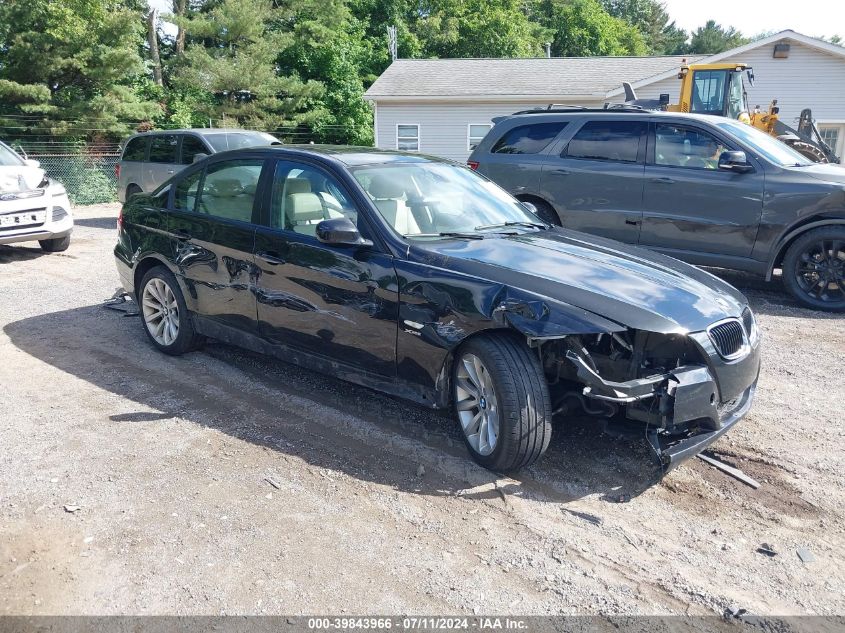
(86,171)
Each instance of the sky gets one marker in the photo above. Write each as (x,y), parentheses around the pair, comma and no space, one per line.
(752,17)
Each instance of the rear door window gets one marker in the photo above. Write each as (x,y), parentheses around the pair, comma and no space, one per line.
(186,192)
(136,149)
(191,146)
(528,139)
(163,148)
(617,141)
(228,189)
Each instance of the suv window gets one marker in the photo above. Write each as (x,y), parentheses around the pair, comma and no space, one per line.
(186,192)
(607,140)
(163,148)
(136,149)
(228,189)
(680,146)
(528,139)
(304,196)
(191,146)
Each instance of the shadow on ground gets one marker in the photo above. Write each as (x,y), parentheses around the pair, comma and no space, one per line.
(108,222)
(9,253)
(362,433)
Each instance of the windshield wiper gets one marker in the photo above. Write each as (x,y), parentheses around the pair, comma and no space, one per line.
(468,236)
(535,225)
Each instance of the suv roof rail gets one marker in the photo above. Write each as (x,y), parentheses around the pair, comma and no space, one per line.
(554,107)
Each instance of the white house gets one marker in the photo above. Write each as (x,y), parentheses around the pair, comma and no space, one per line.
(444,106)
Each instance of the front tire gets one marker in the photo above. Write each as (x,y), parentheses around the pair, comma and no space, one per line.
(814,268)
(501,402)
(56,245)
(164,315)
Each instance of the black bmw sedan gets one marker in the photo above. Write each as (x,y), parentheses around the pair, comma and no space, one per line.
(417,277)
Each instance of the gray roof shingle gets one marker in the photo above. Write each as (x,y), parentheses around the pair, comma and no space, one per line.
(553,77)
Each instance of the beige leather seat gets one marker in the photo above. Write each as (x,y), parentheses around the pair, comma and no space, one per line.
(388,196)
(227,198)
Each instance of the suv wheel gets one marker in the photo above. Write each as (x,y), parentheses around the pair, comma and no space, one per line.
(56,245)
(131,190)
(814,268)
(501,401)
(545,211)
(164,314)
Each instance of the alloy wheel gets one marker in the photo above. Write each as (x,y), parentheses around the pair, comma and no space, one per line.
(476,404)
(161,311)
(820,271)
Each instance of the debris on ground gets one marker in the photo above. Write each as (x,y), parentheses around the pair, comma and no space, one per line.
(72,508)
(736,473)
(767,549)
(273,483)
(805,555)
(420,470)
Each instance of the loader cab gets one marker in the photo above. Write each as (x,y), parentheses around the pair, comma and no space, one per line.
(717,89)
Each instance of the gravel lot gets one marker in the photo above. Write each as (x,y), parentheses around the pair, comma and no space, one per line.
(375,507)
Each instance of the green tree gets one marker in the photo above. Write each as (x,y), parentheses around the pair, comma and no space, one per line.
(479,28)
(712,38)
(231,55)
(583,28)
(69,67)
(661,35)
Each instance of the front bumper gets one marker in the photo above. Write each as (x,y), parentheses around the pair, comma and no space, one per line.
(58,218)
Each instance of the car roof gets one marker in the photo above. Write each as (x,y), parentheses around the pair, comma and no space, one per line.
(348,155)
(201,131)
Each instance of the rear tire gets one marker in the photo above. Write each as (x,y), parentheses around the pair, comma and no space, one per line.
(56,245)
(814,269)
(501,402)
(131,190)
(809,151)
(164,314)
(545,211)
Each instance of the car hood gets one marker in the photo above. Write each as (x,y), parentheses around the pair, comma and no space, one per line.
(15,178)
(823,171)
(637,288)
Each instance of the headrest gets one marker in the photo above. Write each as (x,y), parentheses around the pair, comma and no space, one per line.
(384,187)
(297,185)
(303,207)
(226,187)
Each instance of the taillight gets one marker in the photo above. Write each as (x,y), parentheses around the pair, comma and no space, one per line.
(473,165)
(117,171)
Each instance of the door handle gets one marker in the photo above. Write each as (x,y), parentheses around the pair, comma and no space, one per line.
(663,181)
(171,171)
(270,258)
(181,235)
(561,171)
(632,222)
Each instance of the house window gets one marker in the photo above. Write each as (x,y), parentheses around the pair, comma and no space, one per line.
(476,132)
(408,137)
(830,135)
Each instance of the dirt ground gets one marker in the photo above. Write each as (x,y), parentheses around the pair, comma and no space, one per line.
(137,483)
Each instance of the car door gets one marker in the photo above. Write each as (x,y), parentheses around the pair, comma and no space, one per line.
(336,302)
(596,182)
(212,226)
(162,160)
(692,208)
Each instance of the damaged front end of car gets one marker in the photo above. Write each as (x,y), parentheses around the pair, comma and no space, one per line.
(682,390)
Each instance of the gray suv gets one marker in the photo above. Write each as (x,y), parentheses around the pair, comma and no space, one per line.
(708,190)
(150,158)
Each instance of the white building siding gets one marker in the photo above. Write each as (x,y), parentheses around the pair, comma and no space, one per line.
(443,126)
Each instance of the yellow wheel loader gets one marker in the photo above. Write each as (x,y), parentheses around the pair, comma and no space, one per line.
(719,89)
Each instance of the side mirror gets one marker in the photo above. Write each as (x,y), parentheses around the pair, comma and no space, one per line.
(340,232)
(734,161)
(199,156)
(32,163)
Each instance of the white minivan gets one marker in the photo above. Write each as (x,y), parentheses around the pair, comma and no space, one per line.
(32,205)
(150,158)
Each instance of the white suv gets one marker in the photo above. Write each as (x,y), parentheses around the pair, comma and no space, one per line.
(32,205)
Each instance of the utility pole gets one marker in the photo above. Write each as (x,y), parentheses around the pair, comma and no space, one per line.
(392,43)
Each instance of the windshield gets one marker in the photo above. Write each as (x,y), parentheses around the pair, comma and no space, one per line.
(223,141)
(437,199)
(8,158)
(767,146)
(736,97)
(708,91)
